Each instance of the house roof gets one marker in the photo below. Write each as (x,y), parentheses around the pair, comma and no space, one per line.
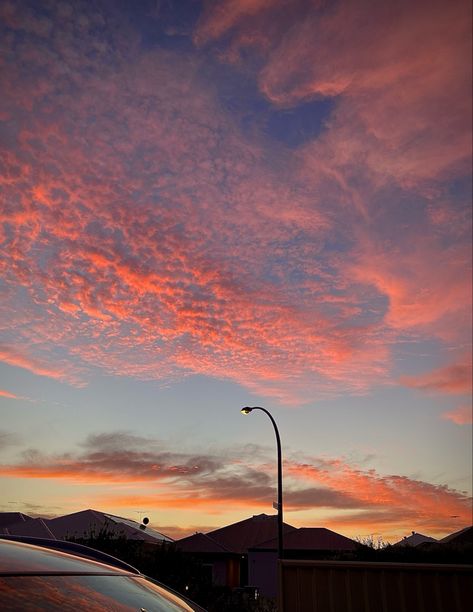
(8,518)
(464,536)
(414,540)
(201,543)
(34,527)
(238,537)
(87,522)
(153,533)
(310,538)
(78,524)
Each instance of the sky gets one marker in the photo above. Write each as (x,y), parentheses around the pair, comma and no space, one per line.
(213,204)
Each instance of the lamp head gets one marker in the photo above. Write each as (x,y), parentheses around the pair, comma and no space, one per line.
(246,410)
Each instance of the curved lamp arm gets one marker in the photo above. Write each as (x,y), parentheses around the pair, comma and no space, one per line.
(247,410)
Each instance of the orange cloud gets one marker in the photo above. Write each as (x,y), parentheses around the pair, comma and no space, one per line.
(451,379)
(13,357)
(210,505)
(462,415)
(425,286)
(154,476)
(8,395)
(176,532)
(386,499)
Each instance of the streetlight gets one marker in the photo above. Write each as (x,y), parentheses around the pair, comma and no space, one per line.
(247,410)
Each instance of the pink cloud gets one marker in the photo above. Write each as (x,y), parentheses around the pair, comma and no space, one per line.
(402,85)
(8,395)
(14,357)
(220,17)
(462,415)
(385,499)
(159,283)
(392,86)
(451,379)
(229,270)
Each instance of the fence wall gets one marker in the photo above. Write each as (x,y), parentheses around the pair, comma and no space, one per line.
(338,586)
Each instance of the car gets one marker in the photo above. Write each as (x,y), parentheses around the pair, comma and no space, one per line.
(40,574)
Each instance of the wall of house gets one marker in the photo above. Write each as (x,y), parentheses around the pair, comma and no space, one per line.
(262,571)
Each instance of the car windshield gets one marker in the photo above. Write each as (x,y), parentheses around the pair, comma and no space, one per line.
(92,593)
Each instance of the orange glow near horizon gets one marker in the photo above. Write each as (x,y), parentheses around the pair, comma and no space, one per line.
(366,497)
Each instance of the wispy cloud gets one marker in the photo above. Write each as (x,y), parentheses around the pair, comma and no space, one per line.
(219,18)
(8,438)
(15,357)
(8,394)
(156,476)
(453,379)
(385,503)
(461,415)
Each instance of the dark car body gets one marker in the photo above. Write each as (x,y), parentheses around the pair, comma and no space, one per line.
(35,577)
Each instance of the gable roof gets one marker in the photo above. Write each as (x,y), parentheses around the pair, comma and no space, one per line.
(85,523)
(8,518)
(414,540)
(464,536)
(200,543)
(310,538)
(149,531)
(34,527)
(238,537)
(80,524)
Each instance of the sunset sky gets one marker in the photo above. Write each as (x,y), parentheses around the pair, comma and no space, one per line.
(213,204)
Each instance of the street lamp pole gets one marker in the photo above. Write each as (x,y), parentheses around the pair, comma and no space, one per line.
(247,410)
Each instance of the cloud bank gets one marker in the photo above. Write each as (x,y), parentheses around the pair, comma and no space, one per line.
(146,234)
(150,475)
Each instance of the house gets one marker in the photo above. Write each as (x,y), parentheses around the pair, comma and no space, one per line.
(245,553)
(459,538)
(83,524)
(414,540)
(224,551)
(87,523)
(8,518)
(309,543)
(17,523)
(222,566)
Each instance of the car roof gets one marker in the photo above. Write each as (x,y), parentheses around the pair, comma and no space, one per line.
(22,558)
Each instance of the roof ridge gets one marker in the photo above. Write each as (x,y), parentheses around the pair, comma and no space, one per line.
(250,518)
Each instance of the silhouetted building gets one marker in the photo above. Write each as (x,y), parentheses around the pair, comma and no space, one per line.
(25,526)
(459,538)
(245,553)
(306,543)
(224,551)
(414,540)
(84,524)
